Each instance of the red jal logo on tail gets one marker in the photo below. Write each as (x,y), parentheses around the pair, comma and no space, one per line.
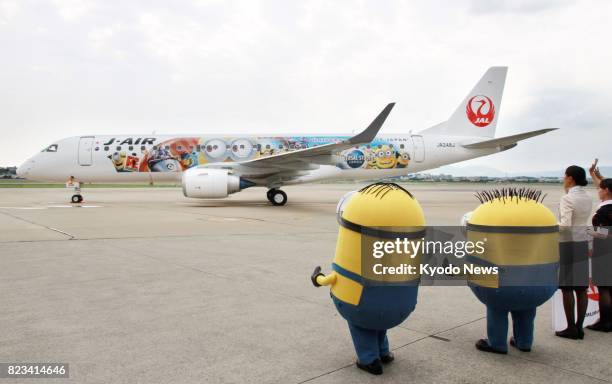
(480,110)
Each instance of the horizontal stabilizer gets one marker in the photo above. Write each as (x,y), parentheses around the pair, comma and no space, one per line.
(508,140)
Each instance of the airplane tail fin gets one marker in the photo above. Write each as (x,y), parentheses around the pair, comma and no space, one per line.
(478,113)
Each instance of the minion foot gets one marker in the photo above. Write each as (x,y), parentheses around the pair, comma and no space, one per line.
(483,345)
(513,343)
(386,359)
(375,367)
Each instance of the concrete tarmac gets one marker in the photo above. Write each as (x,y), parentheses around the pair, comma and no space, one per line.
(146,286)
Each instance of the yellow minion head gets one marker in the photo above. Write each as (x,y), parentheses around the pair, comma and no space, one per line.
(370,157)
(381,211)
(385,157)
(403,158)
(516,228)
(118,159)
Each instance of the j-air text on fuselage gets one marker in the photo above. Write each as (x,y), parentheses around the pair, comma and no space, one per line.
(132,141)
(215,166)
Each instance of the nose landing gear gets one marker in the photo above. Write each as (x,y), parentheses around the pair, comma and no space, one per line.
(276,196)
(76,199)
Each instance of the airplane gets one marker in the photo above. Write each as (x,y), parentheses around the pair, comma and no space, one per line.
(215,166)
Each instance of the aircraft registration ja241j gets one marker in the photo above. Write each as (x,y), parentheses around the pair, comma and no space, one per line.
(215,166)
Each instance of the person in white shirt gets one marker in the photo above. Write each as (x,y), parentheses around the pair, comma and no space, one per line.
(574,215)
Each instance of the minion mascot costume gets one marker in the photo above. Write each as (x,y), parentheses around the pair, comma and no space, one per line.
(521,240)
(372,303)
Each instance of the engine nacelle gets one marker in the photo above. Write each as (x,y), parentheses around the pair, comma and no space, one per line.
(207,183)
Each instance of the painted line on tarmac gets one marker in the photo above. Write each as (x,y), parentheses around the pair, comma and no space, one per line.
(62,232)
(52,206)
(23,208)
(70,236)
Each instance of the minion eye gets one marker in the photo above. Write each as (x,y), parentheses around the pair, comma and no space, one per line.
(388,153)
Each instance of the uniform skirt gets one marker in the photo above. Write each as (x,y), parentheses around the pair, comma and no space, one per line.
(574,265)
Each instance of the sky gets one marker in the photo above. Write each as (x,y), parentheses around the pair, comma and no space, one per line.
(79,67)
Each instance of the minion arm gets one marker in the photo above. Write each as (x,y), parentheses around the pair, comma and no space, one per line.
(318,278)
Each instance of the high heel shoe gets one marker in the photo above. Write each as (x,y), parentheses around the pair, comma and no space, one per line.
(569,333)
(600,327)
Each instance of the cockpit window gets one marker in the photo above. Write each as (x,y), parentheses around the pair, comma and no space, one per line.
(51,148)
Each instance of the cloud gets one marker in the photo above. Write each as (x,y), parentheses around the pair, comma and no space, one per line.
(72,10)
(516,6)
(8,11)
(96,67)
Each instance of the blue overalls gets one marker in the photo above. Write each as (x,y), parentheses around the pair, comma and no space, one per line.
(521,290)
(380,307)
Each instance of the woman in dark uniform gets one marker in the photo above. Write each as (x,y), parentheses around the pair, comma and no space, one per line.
(602,256)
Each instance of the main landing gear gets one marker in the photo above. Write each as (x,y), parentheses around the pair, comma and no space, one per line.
(76,199)
(276,196)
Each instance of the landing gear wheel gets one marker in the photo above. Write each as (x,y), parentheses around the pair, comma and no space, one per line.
(76,199)
(277,197)
(269,194)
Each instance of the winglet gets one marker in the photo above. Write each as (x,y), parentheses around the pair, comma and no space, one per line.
(368,134)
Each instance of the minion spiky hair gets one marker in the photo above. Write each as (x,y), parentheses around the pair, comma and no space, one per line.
(381,189)
(510,194)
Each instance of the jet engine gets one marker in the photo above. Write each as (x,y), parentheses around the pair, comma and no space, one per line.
(207,183)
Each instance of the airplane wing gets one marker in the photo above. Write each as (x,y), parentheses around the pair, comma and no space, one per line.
(307,158)
(508,140)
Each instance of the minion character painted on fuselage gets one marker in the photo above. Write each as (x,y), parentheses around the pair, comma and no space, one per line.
(370,157)
(118,160)
(385,157)
(521,240)
(372,303)
(403,158)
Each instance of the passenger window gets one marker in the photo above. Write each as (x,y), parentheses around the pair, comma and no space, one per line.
(131,148)
(401,146)
(142,148)
(97,149)
(118,147)
(179,147)
(106,148)
(198,148)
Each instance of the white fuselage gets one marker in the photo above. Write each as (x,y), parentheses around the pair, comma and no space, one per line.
(161,158)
